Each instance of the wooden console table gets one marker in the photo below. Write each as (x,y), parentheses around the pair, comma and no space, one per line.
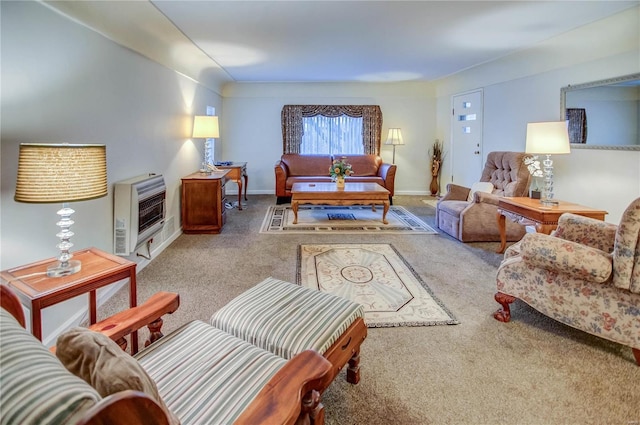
(237,171)
(37,291)
(527,211)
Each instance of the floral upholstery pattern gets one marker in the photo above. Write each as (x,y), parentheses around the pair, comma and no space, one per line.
(586,275)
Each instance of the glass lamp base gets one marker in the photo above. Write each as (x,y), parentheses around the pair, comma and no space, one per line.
(64,269)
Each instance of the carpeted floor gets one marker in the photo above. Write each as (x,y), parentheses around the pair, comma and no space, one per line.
(530,371)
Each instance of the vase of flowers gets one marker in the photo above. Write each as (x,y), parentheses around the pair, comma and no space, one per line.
(533,165)
(340,169)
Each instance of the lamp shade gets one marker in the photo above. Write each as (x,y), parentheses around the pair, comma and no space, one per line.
(61,173)
(394,137)
(205,126)
(547,138)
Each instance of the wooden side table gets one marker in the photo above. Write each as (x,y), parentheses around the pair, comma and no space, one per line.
(238,171)
(37,291)
(202,204)
(527,211)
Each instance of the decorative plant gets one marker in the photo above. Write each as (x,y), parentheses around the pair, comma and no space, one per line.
(533,165)
(437,155)
(340,168)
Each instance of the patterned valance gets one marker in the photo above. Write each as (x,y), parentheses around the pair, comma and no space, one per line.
(292,123)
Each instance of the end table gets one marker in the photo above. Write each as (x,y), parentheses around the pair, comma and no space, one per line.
(37,291)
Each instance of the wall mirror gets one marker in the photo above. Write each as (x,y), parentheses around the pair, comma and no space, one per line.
(603,114)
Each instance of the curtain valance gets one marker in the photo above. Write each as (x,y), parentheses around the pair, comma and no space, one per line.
(292,123)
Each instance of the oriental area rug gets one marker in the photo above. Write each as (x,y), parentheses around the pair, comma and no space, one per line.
(352,219)
(376,276)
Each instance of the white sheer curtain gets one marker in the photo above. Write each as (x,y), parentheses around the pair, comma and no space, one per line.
(331,135)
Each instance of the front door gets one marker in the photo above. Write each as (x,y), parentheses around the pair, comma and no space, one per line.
(466,138)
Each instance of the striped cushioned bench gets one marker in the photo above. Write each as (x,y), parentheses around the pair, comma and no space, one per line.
(287,319)
(223,374)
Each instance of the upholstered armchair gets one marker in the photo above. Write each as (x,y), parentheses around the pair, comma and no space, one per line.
(586,275)
(470,215)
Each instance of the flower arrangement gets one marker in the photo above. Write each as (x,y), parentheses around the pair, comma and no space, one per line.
(340,168)
(533,165)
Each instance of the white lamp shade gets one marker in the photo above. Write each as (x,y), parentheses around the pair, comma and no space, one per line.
(547,138)
(61,173)
(205,126)
(394,137)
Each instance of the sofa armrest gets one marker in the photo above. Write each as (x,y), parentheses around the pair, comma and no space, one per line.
(292,393)
(586,231)
(456,193)
(388,173)
(486,197)
(565,257)
(126,407)
(281,172)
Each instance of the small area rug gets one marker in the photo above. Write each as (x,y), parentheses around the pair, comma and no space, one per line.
(353,219)
(376,276)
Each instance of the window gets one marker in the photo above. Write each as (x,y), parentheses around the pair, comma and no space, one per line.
(332,135)
(331,129)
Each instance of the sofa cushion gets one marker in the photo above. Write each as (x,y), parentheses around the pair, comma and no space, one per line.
(287,319)
(36,388)
(98,360)
(363,165)
(205,375)
(479,187)
(307,165)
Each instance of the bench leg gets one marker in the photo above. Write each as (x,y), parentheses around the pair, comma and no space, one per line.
(353,370)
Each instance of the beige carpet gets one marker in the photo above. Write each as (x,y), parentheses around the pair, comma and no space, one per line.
(531,371)
(346,220)
(375,276)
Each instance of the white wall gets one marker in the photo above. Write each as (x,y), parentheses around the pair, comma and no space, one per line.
(62,82)
(251,129)
(525,87)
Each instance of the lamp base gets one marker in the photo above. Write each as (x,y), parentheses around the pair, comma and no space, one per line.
(61,269)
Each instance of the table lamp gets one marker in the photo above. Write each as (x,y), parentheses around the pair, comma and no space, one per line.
(50,173)
(206,127)
(394,138)
(547,138)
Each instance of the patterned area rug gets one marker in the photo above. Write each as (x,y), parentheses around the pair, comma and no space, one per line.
(354,219)
(376,276)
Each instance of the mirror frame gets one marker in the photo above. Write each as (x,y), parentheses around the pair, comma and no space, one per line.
(563,113)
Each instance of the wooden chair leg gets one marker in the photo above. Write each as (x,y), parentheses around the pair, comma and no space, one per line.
(636,354)
(503,314)
(353,370)
(312,411)
(154,331)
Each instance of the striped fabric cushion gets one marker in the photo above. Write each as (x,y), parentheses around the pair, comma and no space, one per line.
(206,376)
(287,319)
(34,386)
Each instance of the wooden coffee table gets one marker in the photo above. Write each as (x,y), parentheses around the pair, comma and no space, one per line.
(527,211)
(329,194)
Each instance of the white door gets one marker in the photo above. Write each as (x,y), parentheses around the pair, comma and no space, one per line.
(466,138)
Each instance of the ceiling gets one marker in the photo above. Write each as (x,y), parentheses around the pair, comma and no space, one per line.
(333,41)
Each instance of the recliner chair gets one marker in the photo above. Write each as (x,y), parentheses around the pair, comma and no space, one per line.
(474,220)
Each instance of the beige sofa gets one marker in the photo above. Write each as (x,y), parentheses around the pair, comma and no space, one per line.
(474,220)
(298,168)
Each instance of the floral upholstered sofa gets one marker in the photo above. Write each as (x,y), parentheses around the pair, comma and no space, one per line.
(585,275)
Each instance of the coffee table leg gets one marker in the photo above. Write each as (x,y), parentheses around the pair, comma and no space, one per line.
(384,212)
(294,208)
(373,207)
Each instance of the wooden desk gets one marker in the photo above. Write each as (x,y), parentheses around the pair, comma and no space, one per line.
(527,211)
(238,171)
(329,194)
(37,291)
